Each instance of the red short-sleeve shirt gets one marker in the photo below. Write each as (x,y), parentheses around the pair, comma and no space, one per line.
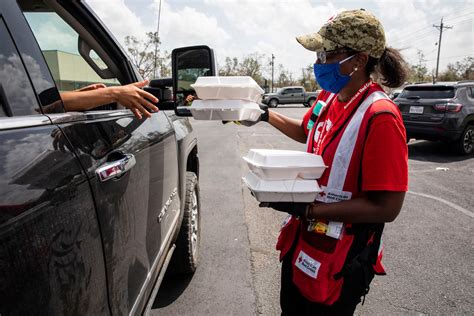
(385,156)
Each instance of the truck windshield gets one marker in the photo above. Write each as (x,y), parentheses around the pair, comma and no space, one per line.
(428,92)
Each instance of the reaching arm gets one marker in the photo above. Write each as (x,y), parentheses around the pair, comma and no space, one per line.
(290,127)
(131,96)
(376,207)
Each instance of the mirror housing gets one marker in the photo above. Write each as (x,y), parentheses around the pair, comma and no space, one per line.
(162,89)
(189,63)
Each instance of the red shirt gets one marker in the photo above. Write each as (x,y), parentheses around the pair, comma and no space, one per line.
(385,154)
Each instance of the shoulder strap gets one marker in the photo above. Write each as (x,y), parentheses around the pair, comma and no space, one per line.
(345,148)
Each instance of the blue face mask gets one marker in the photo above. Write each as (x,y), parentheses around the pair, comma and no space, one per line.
(329,76)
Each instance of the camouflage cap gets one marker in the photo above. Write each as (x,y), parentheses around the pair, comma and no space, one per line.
(359,30)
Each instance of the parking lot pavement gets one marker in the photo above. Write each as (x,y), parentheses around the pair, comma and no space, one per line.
(429,248)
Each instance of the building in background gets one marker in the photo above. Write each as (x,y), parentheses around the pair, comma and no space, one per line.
(70,71)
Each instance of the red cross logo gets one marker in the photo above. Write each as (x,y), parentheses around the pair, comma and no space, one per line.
(322,194)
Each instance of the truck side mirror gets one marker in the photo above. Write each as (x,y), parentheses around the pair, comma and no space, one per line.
(189,63)
(162,89)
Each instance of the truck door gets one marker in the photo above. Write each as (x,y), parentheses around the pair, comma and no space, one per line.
(51,256)
(298,95)
(131,164)
(285,96)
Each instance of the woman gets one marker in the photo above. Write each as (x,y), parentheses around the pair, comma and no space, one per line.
(331,249)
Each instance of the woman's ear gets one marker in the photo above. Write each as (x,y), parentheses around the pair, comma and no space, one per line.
(360,61)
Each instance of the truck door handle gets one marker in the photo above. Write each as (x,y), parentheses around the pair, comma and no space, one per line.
(116,168)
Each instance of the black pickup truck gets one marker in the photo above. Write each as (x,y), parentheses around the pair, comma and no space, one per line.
(96,205)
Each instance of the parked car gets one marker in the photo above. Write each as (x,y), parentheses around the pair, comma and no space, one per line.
(441,111)
(290,95)
(395,93)
(95,206)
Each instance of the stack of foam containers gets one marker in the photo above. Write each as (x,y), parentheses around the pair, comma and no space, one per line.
(226,99)
(283,175)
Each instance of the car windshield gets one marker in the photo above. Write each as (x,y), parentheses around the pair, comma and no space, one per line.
(428,92)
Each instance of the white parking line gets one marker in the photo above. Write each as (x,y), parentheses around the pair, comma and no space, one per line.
(456,207)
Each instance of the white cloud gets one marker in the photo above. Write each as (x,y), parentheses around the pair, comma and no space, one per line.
(118,18)
(241,27)
(187,26)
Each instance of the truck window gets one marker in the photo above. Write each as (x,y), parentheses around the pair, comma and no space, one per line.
(298,90)
(428,92)
(59,43)
(17,96)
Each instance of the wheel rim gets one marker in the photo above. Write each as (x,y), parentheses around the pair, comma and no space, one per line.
(194,224)
(468,140)
(273,103)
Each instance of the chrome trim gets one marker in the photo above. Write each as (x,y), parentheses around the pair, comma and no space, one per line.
(58,118)
(114,169)
(23,121)
(158,282)
(165,245)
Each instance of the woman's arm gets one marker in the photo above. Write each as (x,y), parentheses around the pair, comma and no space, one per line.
(376,207)
(290,127)
(131,96)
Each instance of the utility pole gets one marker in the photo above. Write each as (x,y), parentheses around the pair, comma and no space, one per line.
(272,63)
(156,41)
(440,27)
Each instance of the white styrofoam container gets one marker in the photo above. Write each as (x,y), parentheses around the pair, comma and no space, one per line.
(225,110)
(228,88)
(271,164)
(282,191)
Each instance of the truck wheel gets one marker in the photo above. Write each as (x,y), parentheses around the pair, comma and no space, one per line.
(186,256)
(273,103)
(310,102)
(465,144)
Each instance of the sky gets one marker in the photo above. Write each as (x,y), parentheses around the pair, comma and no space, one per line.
(236,28)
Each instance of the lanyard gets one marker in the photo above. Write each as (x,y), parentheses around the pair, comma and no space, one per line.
(323,135)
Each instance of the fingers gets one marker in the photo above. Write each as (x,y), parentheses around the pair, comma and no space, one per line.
(147,104)
(136,113)
(141,84)
(148,96)
(142,110)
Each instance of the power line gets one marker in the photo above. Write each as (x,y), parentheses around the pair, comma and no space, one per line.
(410,32)
(421,33)
(450,57)
(440,27)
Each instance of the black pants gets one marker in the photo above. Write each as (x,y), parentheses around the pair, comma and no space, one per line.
(293,303)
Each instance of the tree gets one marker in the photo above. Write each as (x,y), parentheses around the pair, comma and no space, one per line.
(285,77)
(307,79)
(142,55)
(461,70)
(419,71)
(251,66)
(230,68)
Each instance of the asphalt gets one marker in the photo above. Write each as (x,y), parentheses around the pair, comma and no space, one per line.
(429,247)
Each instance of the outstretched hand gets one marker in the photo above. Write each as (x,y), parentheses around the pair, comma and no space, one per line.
(133,97)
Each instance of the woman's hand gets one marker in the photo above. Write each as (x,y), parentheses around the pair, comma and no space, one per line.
(134,98)
(293,208)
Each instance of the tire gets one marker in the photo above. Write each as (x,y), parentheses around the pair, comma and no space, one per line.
(465,144)
(310,102)
(273,103)
(186,256)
